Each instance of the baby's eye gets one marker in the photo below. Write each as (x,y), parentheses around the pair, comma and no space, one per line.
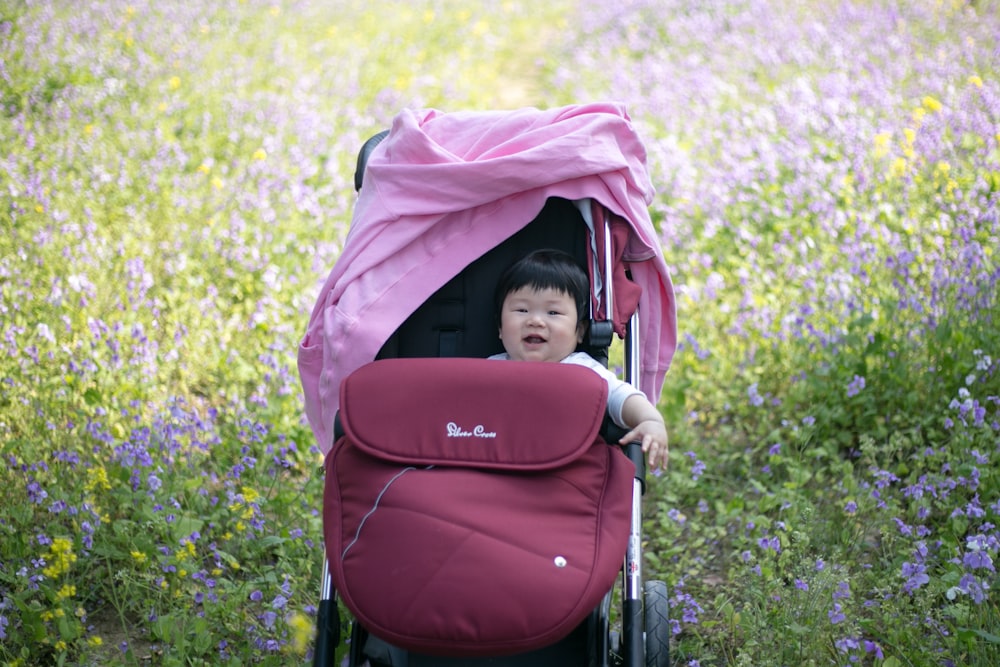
(555,312)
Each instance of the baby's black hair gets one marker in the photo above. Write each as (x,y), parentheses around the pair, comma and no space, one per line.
(545,269)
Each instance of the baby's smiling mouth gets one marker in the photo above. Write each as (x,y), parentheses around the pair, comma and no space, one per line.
(534,339)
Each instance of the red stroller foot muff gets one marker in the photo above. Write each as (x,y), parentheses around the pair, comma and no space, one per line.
(471,507)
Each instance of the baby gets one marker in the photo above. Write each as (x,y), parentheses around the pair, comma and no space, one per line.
(542,304)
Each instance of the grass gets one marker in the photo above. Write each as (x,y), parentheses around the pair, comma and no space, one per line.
(177,183)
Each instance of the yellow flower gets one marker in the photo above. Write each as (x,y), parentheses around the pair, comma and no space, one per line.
(61,557)
(95,640)
(175,82)
(67,591)
(898,168)
(931,104)
(97,477)
(249,494)
(60,645)
(882,143)
(910,136)
(976,81)
(138,557)
(302,632)
(260,154)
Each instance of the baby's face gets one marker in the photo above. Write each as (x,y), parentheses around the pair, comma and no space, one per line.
(539,325)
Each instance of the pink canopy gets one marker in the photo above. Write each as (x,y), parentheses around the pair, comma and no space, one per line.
(443,189)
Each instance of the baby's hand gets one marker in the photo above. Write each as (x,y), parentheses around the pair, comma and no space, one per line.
(653,435)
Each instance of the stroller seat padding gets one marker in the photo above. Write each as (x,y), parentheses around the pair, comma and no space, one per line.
(462,412)
(466,541)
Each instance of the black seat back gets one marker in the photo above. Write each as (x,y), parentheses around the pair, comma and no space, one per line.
(459,319)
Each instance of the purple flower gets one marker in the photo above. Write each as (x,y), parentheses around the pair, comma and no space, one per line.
(847,644)
(855,386)
(843,591)
(836,614)
(972,587)
(915,575)
(801,585)
(698,467)
(977,557)
(771,543)
(756,399)
(872,647)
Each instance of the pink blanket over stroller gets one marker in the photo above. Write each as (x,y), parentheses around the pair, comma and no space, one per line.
(443,189)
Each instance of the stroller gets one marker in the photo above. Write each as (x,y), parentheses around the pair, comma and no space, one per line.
(473,512)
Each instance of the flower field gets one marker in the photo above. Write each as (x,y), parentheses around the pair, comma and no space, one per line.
(176,182)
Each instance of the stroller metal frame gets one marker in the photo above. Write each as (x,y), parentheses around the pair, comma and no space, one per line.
(644,638)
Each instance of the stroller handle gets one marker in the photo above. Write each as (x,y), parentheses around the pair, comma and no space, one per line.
(364,154)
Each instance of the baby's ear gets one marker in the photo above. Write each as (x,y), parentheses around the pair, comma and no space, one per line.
(581,331)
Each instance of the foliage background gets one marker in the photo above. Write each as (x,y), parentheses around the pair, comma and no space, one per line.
(176,182)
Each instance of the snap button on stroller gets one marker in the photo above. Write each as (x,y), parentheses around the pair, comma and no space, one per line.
(473,512)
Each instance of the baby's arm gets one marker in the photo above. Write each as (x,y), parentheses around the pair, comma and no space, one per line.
(647,427)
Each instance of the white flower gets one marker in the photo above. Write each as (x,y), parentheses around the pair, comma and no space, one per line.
(43,331)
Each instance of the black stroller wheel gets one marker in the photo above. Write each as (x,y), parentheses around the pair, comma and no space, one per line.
(657,620)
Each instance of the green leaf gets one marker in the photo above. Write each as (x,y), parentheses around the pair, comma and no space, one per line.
(799,629)
(186,525)
(270,541)
(982,634)
(92,396)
